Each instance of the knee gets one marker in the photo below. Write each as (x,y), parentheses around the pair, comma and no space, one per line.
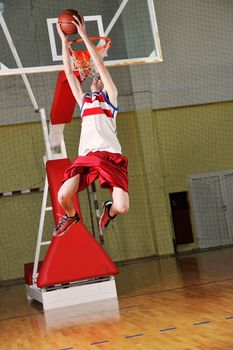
(123,209)
(61,197)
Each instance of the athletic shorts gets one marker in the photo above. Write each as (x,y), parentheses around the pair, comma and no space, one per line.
(109,168)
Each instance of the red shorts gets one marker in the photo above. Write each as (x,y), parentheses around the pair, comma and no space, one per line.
(109,168)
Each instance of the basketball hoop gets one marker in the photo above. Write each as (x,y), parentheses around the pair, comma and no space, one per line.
(82,60)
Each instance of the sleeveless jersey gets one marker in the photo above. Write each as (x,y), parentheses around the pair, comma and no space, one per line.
(98,132)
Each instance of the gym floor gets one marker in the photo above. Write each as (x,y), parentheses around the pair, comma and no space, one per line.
(182,302)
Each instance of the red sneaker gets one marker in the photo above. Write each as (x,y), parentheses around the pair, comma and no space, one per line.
(64,224)
(105,217)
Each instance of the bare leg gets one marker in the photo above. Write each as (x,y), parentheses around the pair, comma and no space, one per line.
(120,203)
(66,194)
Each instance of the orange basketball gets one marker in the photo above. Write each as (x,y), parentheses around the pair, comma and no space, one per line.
(66,18)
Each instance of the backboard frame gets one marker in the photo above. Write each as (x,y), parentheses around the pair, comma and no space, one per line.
(154,57)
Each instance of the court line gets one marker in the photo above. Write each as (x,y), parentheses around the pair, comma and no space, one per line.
(168,329)
(174,289)
(100,342)
(42,312)
(128,307)
(161,331)
(134,335)
(21,316)
(200,323)
(134,296)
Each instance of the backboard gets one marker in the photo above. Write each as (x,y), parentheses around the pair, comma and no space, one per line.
(29,41)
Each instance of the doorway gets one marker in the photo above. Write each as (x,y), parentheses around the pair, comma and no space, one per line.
(181,218)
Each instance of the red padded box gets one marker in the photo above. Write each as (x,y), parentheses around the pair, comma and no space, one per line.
(63,102)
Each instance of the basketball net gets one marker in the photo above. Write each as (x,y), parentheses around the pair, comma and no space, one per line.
(82,60)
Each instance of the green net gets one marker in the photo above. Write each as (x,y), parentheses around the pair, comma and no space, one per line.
(174,125)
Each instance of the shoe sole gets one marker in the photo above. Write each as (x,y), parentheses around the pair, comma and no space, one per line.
(62,234)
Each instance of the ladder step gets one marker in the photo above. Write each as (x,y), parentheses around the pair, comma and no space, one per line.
(48,208)
(45,243)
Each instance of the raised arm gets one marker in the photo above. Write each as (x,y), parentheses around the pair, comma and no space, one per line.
(109,85)
(74,83)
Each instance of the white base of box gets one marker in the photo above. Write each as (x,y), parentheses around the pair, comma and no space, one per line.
(73,293)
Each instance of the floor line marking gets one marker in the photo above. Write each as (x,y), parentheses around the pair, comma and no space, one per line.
(200,323)
(21,316)
(176,288)
(100,342)
(128,307)
(168,329)
(134,335)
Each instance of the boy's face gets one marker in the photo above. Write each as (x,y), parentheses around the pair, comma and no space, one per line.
(97,84)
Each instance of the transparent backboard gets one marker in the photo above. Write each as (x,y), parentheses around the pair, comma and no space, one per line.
(29,41)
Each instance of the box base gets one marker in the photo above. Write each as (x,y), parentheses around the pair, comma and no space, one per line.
(73,293)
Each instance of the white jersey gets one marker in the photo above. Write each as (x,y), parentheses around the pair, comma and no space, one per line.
(98,131)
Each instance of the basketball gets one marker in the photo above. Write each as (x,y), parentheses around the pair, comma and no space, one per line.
(66,18)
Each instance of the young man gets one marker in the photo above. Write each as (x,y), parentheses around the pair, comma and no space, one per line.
(99,154)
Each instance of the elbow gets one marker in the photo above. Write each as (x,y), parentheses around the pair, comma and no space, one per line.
(116,91)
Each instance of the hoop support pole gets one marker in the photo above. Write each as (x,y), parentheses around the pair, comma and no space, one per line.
(40,233)
(18,62)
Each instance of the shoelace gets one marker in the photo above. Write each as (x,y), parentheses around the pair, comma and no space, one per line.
(62,221)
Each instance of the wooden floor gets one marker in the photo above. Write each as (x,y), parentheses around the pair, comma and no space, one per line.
(182,303)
